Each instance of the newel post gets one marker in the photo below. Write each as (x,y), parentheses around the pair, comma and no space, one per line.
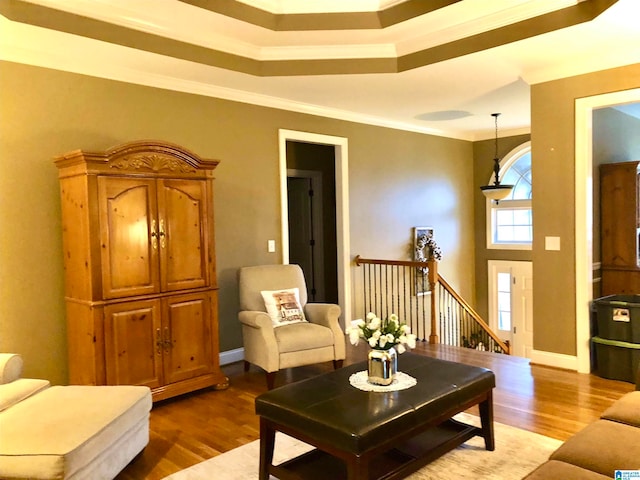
(433,278)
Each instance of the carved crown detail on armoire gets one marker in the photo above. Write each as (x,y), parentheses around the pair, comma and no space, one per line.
(140,268)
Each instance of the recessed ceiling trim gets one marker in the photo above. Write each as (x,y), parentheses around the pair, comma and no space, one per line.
(347,63)
(49,18)
(342,18)
(339,66)
(43,53)
(328,52)
(549,22)
(179,20)
(99,69)
(318,6)
(469,23)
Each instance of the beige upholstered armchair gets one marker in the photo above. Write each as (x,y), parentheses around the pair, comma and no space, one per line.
(272,344)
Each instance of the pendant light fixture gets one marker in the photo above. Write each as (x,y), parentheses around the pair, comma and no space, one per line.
(497,191)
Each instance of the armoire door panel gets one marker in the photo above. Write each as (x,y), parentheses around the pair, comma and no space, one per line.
(187,323)
(133,344)
(128,230)
(183,234)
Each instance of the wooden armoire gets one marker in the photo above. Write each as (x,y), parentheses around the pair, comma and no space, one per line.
(140,268)
(620,227)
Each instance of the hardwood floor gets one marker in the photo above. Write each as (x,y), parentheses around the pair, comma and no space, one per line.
(194,427)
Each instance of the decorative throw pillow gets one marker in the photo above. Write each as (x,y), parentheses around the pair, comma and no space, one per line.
(283,306)
(10,367)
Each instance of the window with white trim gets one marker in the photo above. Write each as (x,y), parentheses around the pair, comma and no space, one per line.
(504,301)
(510,222)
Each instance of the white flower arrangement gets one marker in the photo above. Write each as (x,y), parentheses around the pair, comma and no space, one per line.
(382,334)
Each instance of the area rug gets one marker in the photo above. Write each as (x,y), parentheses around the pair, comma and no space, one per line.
(517,453)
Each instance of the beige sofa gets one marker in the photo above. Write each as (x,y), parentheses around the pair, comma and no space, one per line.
(597,451)
(68,432)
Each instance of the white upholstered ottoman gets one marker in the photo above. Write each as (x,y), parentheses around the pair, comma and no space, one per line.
(69,432)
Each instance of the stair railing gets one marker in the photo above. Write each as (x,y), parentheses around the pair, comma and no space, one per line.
(421,297)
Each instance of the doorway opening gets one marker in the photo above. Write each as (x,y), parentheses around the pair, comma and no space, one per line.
(312,217)
(584,214)
(340,198)
(511,304)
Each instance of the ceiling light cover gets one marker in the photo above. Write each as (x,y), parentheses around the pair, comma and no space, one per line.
(496,192)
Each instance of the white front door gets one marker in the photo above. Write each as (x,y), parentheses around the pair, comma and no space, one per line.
(511,304)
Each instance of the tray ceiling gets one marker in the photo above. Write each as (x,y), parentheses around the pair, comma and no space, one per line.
(439,67)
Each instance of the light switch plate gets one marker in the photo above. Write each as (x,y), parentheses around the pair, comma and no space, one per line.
(552,243)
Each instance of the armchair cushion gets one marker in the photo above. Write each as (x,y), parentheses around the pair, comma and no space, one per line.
(283,306)
(307,336)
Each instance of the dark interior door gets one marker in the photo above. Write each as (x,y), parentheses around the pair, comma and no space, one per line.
(312,217)
(301,235)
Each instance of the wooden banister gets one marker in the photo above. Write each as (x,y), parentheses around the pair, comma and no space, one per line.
(398,263)
(476,316)
(434,279)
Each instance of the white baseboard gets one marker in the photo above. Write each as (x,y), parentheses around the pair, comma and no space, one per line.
(231,356)
(551,359)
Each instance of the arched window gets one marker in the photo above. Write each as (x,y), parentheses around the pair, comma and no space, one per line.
(510,222)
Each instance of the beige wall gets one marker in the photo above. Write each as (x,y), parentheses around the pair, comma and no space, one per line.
(397,180)
(483,153)
(553,160)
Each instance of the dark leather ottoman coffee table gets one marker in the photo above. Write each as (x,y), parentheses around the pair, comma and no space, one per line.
(362,435)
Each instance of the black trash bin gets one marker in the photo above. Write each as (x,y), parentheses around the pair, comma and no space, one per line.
(618,317)
(616,360)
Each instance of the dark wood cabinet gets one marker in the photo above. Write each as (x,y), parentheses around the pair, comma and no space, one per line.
(619,227)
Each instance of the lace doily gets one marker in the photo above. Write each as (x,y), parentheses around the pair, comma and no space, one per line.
(400,382)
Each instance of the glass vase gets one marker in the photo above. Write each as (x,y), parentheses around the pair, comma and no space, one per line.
(382,366)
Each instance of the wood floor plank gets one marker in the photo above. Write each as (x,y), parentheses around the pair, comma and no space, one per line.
(194,427)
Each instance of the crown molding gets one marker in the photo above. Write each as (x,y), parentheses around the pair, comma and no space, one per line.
(98,68)
(591,61)
(435,32)
(352,52)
